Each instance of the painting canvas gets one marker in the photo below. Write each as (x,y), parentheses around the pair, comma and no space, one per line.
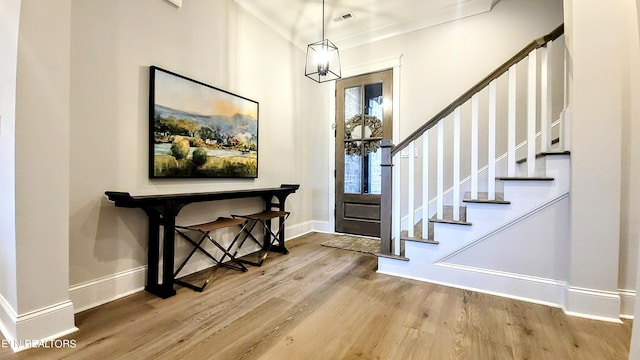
(199,131)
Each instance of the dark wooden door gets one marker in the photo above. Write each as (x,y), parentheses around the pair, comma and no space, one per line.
(363,119)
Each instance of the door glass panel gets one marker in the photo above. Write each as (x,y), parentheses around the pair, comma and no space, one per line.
(352,167)
(353,113)
(373,107)
(373,171)
(362,174)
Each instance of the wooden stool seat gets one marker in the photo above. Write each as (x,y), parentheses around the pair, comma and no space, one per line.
(264,218)
(204,230)
(264,215)
(219,223)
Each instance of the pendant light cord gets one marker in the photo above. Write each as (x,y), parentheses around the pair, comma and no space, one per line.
(323,20)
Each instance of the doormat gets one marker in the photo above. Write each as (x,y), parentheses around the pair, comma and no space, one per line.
(354,243)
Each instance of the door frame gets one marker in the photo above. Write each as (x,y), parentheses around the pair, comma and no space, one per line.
(394,63)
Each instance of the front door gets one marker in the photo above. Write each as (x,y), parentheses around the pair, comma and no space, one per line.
(363,119)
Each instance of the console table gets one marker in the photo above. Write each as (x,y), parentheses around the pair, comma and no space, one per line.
(162,211)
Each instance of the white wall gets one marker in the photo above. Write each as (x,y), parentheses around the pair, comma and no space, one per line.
(632,232)
(630,199)
(35,142)
(9,18)
(596,50)
(216,42)
(42,152)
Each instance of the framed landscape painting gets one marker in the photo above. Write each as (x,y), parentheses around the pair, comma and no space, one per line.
(199,131)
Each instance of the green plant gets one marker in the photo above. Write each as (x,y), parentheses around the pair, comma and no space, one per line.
(180,148)
(199,157)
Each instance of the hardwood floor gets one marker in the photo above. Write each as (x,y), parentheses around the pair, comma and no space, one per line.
(326,303)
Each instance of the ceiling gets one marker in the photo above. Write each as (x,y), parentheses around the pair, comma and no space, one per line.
(300,21)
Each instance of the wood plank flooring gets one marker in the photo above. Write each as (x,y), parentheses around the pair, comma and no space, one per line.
(325,303)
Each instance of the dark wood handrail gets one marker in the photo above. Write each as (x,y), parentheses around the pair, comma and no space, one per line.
(535,44)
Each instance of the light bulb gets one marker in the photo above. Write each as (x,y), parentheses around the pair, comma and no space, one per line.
(321,58)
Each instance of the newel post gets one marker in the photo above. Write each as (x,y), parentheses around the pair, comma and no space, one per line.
(386,197)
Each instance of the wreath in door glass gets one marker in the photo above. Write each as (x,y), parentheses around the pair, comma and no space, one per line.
(370,121)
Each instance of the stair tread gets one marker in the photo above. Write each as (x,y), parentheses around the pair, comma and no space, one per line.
(447,216)
(389,256)
(545,153)
(420,240)
(526,178)
(483,198)
(417,233)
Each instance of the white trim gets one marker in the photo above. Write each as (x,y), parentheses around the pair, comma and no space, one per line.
(517,284)
(537,290)
(23,331)
(90,294)
(593,304)
(627,303)
(322,226)
(331,181)
(8,317)
(373,66)
(521,287)
(296,230)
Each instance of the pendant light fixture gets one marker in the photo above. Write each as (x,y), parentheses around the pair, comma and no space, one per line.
(323,59)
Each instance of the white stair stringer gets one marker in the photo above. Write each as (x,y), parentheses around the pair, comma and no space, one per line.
(538,211)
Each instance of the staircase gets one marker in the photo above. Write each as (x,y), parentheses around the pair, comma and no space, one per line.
(463,206)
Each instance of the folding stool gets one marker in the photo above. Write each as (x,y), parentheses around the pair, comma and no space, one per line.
(264,218)
(204,230)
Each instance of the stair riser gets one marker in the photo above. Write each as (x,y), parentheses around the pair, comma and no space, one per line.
(522,168)
(559,167)
(488,213)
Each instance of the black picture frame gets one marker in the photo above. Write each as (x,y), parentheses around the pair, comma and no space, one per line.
(200,131)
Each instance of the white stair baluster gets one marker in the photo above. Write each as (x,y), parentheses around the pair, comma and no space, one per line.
(440,184)
(545,98)
(425,185)
(411,211)
(565,140)
(511,127)
(491,155)
(474,146)
(396,205)
(531,114)
(456,164)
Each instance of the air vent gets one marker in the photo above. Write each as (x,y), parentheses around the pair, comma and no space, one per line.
(343,17)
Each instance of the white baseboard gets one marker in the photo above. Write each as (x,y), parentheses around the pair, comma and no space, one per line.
(513,286)
(628,301)
(35,328)
(587,303)
(296,230)
(322,226)
(593,304)
(100,291)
